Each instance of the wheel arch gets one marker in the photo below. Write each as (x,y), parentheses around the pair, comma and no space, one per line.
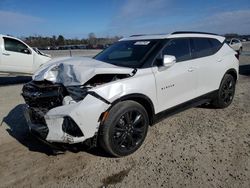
(143,100)
(232,72)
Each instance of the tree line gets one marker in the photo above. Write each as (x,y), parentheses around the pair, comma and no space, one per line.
(60,42)
(56,42)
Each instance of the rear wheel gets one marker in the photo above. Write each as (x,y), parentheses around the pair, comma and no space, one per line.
(225,95)
(125,129)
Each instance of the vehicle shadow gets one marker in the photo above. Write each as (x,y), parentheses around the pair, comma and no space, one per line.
(17,128)
(244,70)
(10,80)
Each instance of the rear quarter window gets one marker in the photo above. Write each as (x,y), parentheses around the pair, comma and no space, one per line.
(216,45)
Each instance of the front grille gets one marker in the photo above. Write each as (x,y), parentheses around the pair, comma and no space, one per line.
(43,94)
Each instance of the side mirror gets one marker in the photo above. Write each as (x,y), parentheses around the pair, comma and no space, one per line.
(168,60)
(26,51)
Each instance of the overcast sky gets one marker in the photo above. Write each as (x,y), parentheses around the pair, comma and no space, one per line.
(77,18)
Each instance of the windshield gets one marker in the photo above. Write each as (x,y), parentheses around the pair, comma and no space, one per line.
(40,53)
(37,51)
(127,53)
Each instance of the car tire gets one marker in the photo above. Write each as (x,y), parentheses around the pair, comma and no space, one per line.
(125,128)
(224,96)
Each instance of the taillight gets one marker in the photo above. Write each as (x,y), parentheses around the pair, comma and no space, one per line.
(237,55)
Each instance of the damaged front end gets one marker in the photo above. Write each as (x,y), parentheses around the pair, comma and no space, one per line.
(52,111)
(62,105)
(41,97)
(71,114)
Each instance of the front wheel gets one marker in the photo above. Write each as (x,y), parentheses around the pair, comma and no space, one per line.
(125,128)
(225,94)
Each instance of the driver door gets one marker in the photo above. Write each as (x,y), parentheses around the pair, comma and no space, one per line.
(178,83)
(16,56)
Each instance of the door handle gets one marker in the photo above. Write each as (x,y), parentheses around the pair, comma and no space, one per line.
(190,69)
(219,60)
(6,54)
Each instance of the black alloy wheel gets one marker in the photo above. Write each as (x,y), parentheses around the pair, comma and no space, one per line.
(129,130)
(227,92)
(125,128)
(225,95)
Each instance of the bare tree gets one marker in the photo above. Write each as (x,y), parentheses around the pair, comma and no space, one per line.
(92,39)
(60,40)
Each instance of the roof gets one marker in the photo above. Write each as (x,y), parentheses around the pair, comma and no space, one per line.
(1,35)
(179,34)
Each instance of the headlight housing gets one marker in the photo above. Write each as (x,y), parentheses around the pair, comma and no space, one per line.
(77,92)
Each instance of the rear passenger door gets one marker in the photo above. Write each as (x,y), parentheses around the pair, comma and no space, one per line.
(177,84)
(208,63)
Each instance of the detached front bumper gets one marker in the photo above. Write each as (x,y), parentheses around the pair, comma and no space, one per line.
(58,124)
(40,130)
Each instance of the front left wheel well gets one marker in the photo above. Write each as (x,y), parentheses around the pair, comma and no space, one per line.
(142,100)
(146,105)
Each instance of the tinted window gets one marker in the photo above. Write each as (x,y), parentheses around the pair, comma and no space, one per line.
(216,45)
(234,41)
(15,46)
(178,48)
(201,47)
(228,41)
(127,53)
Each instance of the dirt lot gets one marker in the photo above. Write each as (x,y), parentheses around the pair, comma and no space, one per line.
(196,148)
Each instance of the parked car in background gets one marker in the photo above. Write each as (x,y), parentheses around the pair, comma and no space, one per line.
(18,57)
(235,44)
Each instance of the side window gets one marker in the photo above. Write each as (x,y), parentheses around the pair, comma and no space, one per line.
(201,47)
(216,45)
(15,46)
(178,48)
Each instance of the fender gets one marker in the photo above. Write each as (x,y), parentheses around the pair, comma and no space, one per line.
(142,99)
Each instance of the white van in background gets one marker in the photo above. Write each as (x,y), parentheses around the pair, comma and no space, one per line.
(235,44)
(18,57)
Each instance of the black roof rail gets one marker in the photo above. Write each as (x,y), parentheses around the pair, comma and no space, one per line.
(146,35)
(192,32)
(137,35)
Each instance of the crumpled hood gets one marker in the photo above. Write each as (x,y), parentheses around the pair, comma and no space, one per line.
(71,71)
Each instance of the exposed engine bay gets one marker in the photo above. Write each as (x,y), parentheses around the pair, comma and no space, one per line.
(66,98)
(46,95)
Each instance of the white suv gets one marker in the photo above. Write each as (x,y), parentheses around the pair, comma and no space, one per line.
(235,44)
(112,98)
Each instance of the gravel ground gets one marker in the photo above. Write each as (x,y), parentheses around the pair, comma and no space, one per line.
(199,147)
